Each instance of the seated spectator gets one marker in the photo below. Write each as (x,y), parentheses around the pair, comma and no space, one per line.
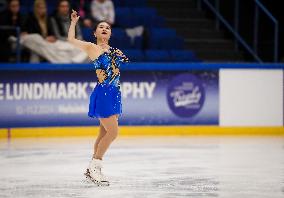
(61,21)
(10,17)
(39,22)
(39,37)
(101,10)
(3,4)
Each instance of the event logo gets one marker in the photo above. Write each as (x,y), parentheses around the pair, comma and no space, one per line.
(185,95)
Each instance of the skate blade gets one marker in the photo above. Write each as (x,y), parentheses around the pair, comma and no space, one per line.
(98,183)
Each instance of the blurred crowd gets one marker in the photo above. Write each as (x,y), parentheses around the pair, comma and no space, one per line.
(43,36)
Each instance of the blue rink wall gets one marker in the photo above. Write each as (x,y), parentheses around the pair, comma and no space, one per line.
(39,95)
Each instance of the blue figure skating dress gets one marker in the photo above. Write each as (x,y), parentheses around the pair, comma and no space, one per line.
(105,99)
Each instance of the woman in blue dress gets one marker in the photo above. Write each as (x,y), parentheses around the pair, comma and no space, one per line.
(105,100)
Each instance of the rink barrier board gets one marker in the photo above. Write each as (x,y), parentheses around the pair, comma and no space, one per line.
(4,133)
(142,131)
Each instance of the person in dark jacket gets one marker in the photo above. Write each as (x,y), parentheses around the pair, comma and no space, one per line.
(10,18)
(39,22)
(40,39)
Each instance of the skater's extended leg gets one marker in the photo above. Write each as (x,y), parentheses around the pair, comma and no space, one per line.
(102,133)
(108,132)
(111,126)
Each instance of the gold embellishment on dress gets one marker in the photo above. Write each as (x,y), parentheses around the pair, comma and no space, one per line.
(121,55)
(118,52)
(116,56)
(115,70)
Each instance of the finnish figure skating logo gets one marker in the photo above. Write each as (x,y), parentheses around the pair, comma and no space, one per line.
(185,95)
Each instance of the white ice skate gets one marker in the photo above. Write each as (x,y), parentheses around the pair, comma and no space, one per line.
(94,173)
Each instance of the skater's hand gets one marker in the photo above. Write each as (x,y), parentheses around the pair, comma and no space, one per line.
(101,75)
(74,17)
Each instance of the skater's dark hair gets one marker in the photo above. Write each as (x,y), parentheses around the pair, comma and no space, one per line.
(98,23)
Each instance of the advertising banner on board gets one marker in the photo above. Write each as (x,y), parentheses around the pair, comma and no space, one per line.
(61,98)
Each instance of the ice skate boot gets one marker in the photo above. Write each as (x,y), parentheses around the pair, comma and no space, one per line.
(94,173)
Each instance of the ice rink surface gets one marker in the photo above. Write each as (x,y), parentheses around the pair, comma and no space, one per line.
(139,167)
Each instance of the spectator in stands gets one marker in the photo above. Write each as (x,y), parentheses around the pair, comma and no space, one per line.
(3,4)
(39,22)
(10,17)
(39,37)
(38,26)
(100,10)
(61,21)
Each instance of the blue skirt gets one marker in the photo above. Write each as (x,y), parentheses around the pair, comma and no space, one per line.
(105,101)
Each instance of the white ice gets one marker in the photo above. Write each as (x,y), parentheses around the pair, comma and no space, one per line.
(164,167)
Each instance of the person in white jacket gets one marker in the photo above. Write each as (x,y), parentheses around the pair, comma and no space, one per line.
(49,47)
(100,10)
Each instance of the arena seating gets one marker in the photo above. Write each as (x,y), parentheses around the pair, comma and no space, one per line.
(158,43)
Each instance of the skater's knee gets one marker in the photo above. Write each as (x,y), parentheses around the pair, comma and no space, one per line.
(112,134)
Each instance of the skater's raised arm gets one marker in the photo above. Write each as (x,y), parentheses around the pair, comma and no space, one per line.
(88,47)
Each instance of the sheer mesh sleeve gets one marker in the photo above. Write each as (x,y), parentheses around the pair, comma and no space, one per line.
(121,57)
(96,65)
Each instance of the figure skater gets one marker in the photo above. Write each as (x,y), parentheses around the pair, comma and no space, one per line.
(105,100)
